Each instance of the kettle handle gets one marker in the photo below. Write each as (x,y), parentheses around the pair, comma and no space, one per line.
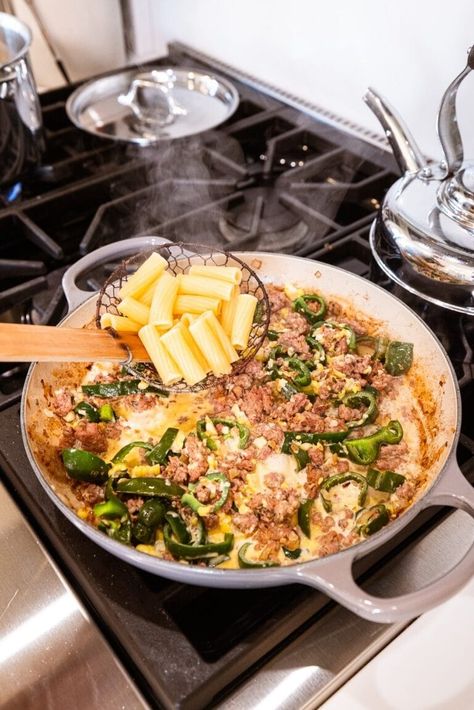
(448,130)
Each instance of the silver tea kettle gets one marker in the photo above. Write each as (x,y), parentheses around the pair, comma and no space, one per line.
(423,236)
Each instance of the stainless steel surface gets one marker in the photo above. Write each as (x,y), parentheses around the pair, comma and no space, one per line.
(332,574)
(21,142)
(405,150)
(448,130)
(337,645)
(51,653)
(424,235)
(146,107)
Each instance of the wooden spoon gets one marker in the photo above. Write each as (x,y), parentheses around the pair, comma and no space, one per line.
(46,343)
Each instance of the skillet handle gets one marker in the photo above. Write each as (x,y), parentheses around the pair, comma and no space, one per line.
(336,579)
(110,252)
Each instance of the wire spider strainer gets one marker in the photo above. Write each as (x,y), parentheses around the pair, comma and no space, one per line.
(180,256)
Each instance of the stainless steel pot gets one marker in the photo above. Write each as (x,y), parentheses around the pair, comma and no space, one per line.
(21,139)
(333,574)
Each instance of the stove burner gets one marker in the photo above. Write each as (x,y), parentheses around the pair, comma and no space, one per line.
(258,219)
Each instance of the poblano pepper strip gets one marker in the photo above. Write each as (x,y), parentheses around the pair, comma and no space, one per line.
(303,378)
(121,388)
(223,485)
(117,530)
(301,457)
(125,450)
(272,335)
(364,451)
(209,438)
(143,486)
(292,554)
(197,551)
(386,481)
(304,517)
(178,527)
(305,437)
(84,409)
(317,348)
(106,413)
(301,305)
(398,357)
(84,466)
(150,516)
(159,453)
(246,563)
(371,520)
(357,400)
(337,480)
(113,506)
(368,344)
(349,333)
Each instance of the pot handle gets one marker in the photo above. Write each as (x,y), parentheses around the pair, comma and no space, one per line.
(75,295)
(336,579)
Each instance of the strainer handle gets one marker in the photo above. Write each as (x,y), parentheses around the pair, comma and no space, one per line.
(117,250)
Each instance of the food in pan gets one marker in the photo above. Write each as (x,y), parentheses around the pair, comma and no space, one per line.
(317,445)
(190,324)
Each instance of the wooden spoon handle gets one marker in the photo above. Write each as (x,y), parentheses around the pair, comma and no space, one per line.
(46,343)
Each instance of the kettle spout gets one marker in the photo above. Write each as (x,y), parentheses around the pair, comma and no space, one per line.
(405,150)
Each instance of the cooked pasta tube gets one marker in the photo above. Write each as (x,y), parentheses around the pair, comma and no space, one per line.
(161,309)
(207,342)
(205,286)
(147,296)
(228,311)
(166,367)
(221,335)
(188,318)
(227,273)
(195,304)
(196,351)
(148,272)
(244,313)
(178,347)
(134,310)
(120,323)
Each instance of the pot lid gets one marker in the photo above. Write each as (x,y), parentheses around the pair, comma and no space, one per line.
(145,107)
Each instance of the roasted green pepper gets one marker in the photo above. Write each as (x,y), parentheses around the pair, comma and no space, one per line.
(84,409)
(349,333)
(337,480)
(106,413)
(301,305)
(84,466)
(366,399)
(303,378)
(159,453)
(209,439)
(246,563)
(223,485)
(319,353)
(117,530)
(301,457)
(150,516)
(370,345)
(386,481)
(178,527)
(398,357)
(272,335)
(125,450)
(142,486)
(364,451)
(371,520)
(197,551)
(304,516)
(292,554)
(113,506)
(121,388)
(305,437)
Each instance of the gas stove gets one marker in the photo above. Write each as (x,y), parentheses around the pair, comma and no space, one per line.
(279,175)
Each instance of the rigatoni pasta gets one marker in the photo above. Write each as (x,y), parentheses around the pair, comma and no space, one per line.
(190,324)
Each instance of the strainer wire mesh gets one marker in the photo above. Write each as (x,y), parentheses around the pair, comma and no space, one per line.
(180,257)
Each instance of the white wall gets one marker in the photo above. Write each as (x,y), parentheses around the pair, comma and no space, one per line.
(329,51)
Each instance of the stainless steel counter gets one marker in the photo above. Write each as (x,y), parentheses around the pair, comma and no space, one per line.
(51,654)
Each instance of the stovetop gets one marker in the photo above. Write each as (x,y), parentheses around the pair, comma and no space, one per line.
(271,178)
